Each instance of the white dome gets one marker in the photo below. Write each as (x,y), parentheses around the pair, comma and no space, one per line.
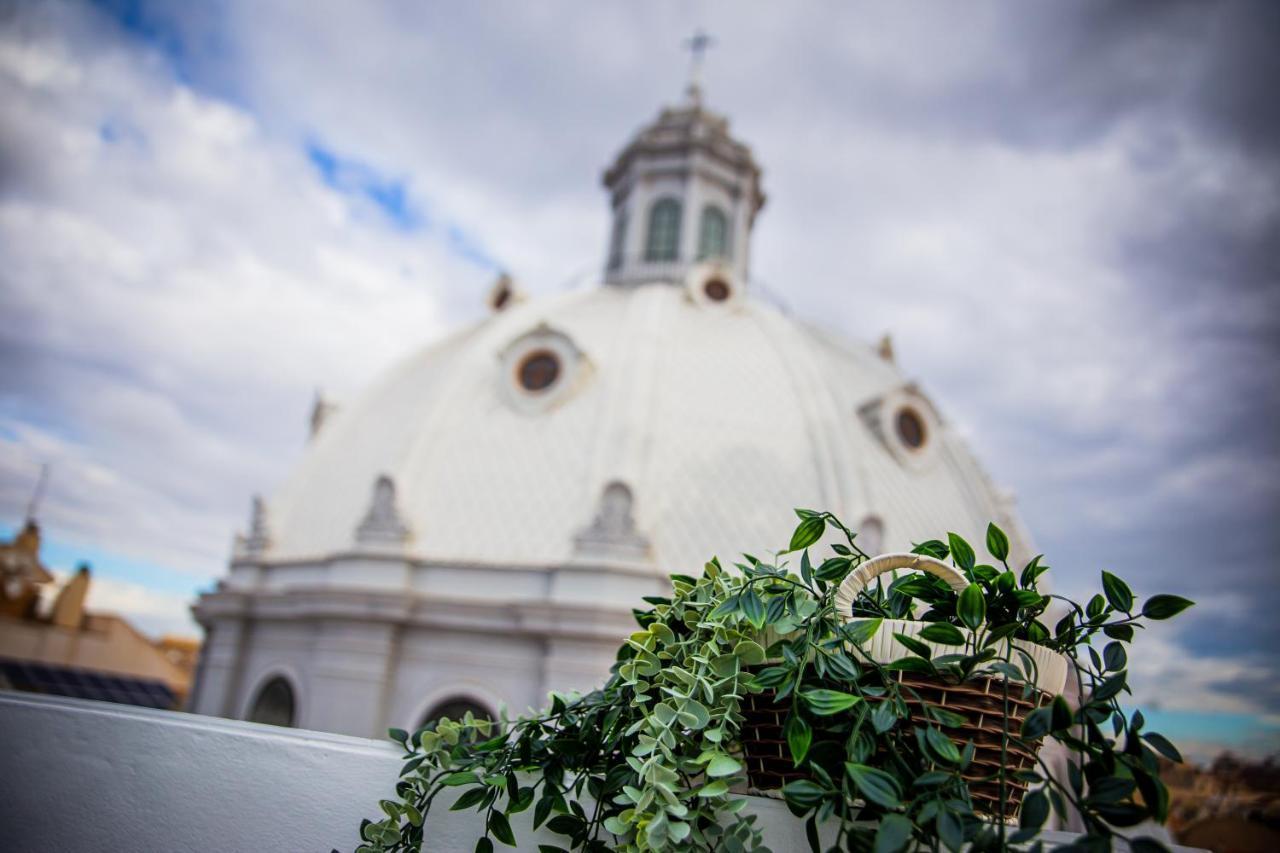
(720,417)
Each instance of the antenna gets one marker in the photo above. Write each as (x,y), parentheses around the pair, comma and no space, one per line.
(38,492)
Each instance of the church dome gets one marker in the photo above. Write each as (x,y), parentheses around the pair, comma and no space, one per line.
(719,417)
(667,413)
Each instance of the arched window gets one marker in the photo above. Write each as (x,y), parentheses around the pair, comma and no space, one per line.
(713,233)
(618,240)
(455,708)
(664,231)
(274,704)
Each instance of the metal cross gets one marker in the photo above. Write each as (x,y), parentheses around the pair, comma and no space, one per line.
(697,45)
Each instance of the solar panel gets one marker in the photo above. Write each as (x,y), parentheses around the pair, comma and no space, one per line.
(87,684)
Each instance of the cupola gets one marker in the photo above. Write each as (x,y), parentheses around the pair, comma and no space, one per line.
(683,193)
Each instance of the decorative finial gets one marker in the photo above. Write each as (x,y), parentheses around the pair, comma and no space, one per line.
(259,538)
(382,526)
(697,45)
(612,534)
(885,348)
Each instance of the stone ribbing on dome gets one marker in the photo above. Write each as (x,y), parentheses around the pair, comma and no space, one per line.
(719,419)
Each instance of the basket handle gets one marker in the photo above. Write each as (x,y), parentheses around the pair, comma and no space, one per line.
(861,578)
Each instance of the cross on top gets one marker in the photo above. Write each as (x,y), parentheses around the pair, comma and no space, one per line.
(697,46)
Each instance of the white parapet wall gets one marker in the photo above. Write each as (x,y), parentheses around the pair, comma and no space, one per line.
(90,776)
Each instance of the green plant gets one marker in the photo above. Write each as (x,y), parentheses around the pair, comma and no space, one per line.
(653,759)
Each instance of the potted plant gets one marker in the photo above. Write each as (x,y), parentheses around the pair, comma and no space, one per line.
(894,712)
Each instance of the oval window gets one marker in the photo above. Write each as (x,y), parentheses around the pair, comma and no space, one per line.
(717,290)
(538,370)
(910,428)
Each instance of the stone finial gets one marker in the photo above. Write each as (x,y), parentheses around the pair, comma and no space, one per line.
(321,409)
(382,525)
(259,538)
(613,534)
(504,293)
(885,348)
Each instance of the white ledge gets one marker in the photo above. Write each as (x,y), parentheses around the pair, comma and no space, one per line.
(89,776)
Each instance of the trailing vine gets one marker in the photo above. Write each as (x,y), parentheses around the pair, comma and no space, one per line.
(653,760)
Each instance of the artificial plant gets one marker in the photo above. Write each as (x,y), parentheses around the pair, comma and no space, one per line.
(653,761)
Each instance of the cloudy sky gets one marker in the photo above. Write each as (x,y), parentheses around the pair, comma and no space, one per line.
(1068,215)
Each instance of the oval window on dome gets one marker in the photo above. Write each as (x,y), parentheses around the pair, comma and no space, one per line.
(911,429)
(538,370)
(717,290)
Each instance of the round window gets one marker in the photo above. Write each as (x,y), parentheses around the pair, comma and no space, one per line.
(717,290)
(911,428)
(538,370)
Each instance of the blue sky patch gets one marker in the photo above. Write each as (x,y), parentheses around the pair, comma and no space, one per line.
(352,177)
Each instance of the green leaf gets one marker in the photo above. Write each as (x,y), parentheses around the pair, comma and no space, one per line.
(807,532)
(950,830)
(833,569)
(942,745)
(469,799)
(714,789)
(893,834)
(914,646)
(876,785)
(961,552)
(883,717)
(749,652)
(1114,656)
(753,608)
(400,736)
(1163,746)
(1119,632)
(501,828)
(729,605)
(824,702)
(542,811)
(484,845)
(1059,714)
(723,765)
(971,607)
(1164,606)
(454,779)
(1037,724)
(943,633)
(932,548)
(1108,688)
(1118,593)
(912,664)
(1035,809)
(997,542)
(803,794)
(862,631)
(799,735)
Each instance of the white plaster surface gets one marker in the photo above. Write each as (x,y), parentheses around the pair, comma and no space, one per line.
(90,776)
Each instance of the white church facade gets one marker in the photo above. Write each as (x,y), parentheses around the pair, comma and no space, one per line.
(476,528)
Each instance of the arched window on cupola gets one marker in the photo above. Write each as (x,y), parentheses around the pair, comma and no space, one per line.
(663,243)
(617,242)
(713,233)
(274,704)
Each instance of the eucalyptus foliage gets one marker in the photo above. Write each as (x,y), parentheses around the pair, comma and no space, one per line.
(652,760)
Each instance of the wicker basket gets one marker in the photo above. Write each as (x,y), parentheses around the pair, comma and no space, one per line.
(979,700)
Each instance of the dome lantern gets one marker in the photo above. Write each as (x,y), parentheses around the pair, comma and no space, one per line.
(683,192)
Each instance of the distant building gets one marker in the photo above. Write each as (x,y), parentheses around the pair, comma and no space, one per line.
(49,643)
(477,527)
